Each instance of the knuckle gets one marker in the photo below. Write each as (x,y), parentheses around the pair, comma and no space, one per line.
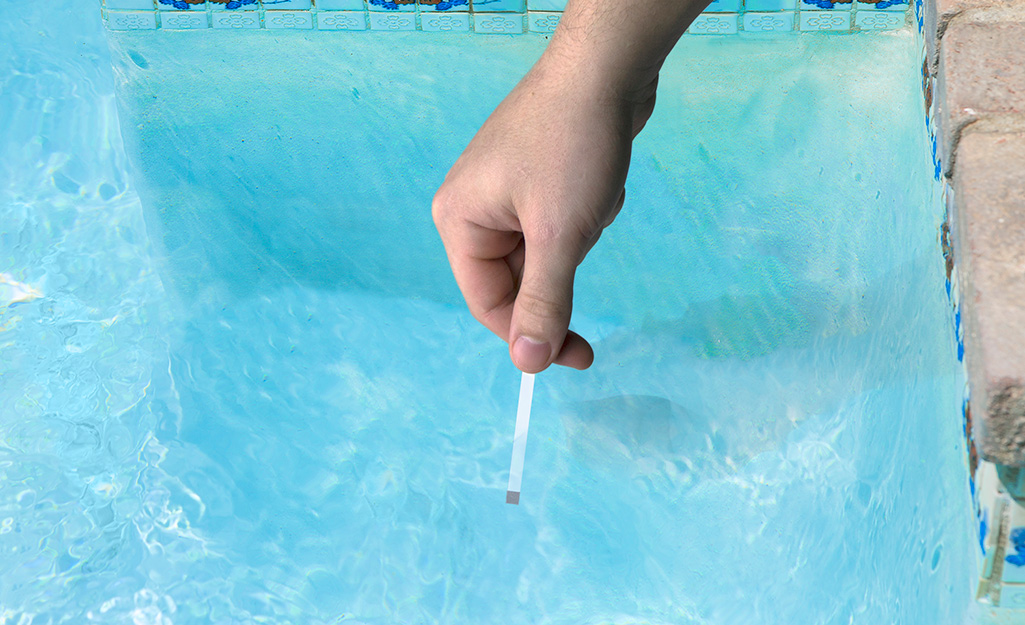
(441,204)
(543,307)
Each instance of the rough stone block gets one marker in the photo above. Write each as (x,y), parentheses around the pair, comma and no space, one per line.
(982,75)
(938,14)
(990,189)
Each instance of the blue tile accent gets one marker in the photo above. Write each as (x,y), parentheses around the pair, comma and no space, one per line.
(983,529)
(824,5)
(768,22)
(1014,560)
(341,20)
(180,5)
(389,5)
(883,5)
(445,6)
(233,5)
(445,22)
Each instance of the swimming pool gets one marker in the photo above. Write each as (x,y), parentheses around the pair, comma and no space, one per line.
(241,386)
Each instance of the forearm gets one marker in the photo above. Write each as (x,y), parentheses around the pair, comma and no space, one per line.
(621,43)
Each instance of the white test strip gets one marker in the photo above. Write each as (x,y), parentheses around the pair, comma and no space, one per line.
(512,495)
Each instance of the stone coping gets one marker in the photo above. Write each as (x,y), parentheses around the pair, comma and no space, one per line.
(976,53)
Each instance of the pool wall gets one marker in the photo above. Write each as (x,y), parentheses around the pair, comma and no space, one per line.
(220,169)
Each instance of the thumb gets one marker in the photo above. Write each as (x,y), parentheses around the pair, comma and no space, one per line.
(544,303)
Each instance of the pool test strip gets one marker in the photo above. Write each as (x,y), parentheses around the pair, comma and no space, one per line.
(512,495)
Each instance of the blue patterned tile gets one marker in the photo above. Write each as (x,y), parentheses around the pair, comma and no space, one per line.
(989,505)
(825,20)
(235,19)
(824,5)
(131,20)
(498,23)
(392,21)
(768,22)
(342,20)
(183,20)
(445,22)
(498,6)
(180,5)
(235,5)
(546,5)
(543,22)
(879,20)
(340,5)
(298,20)
(391,6)
(443,6)
(143,5)
(1014,547)
(885,5)
(714,24)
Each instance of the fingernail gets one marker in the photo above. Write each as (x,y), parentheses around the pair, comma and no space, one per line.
(531,354)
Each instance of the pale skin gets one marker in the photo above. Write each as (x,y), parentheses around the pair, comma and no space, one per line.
(544,176)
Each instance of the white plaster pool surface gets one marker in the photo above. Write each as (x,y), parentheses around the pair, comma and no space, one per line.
(238,385)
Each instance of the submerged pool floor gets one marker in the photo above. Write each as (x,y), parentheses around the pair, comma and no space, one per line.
(241,386)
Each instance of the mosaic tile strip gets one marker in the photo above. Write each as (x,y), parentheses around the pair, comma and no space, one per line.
(723,17)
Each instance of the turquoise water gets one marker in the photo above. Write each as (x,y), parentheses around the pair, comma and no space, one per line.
(241,386)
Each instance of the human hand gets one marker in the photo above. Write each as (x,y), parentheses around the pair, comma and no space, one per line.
(529,198)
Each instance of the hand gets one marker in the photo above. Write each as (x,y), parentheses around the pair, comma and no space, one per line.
(529,198)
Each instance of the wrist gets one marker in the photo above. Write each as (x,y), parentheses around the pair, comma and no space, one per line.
(619,45)
(578,72)
(599,68)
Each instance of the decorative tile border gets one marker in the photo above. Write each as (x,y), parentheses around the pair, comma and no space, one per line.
(723,17)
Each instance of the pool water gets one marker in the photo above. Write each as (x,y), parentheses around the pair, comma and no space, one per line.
(238,384)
